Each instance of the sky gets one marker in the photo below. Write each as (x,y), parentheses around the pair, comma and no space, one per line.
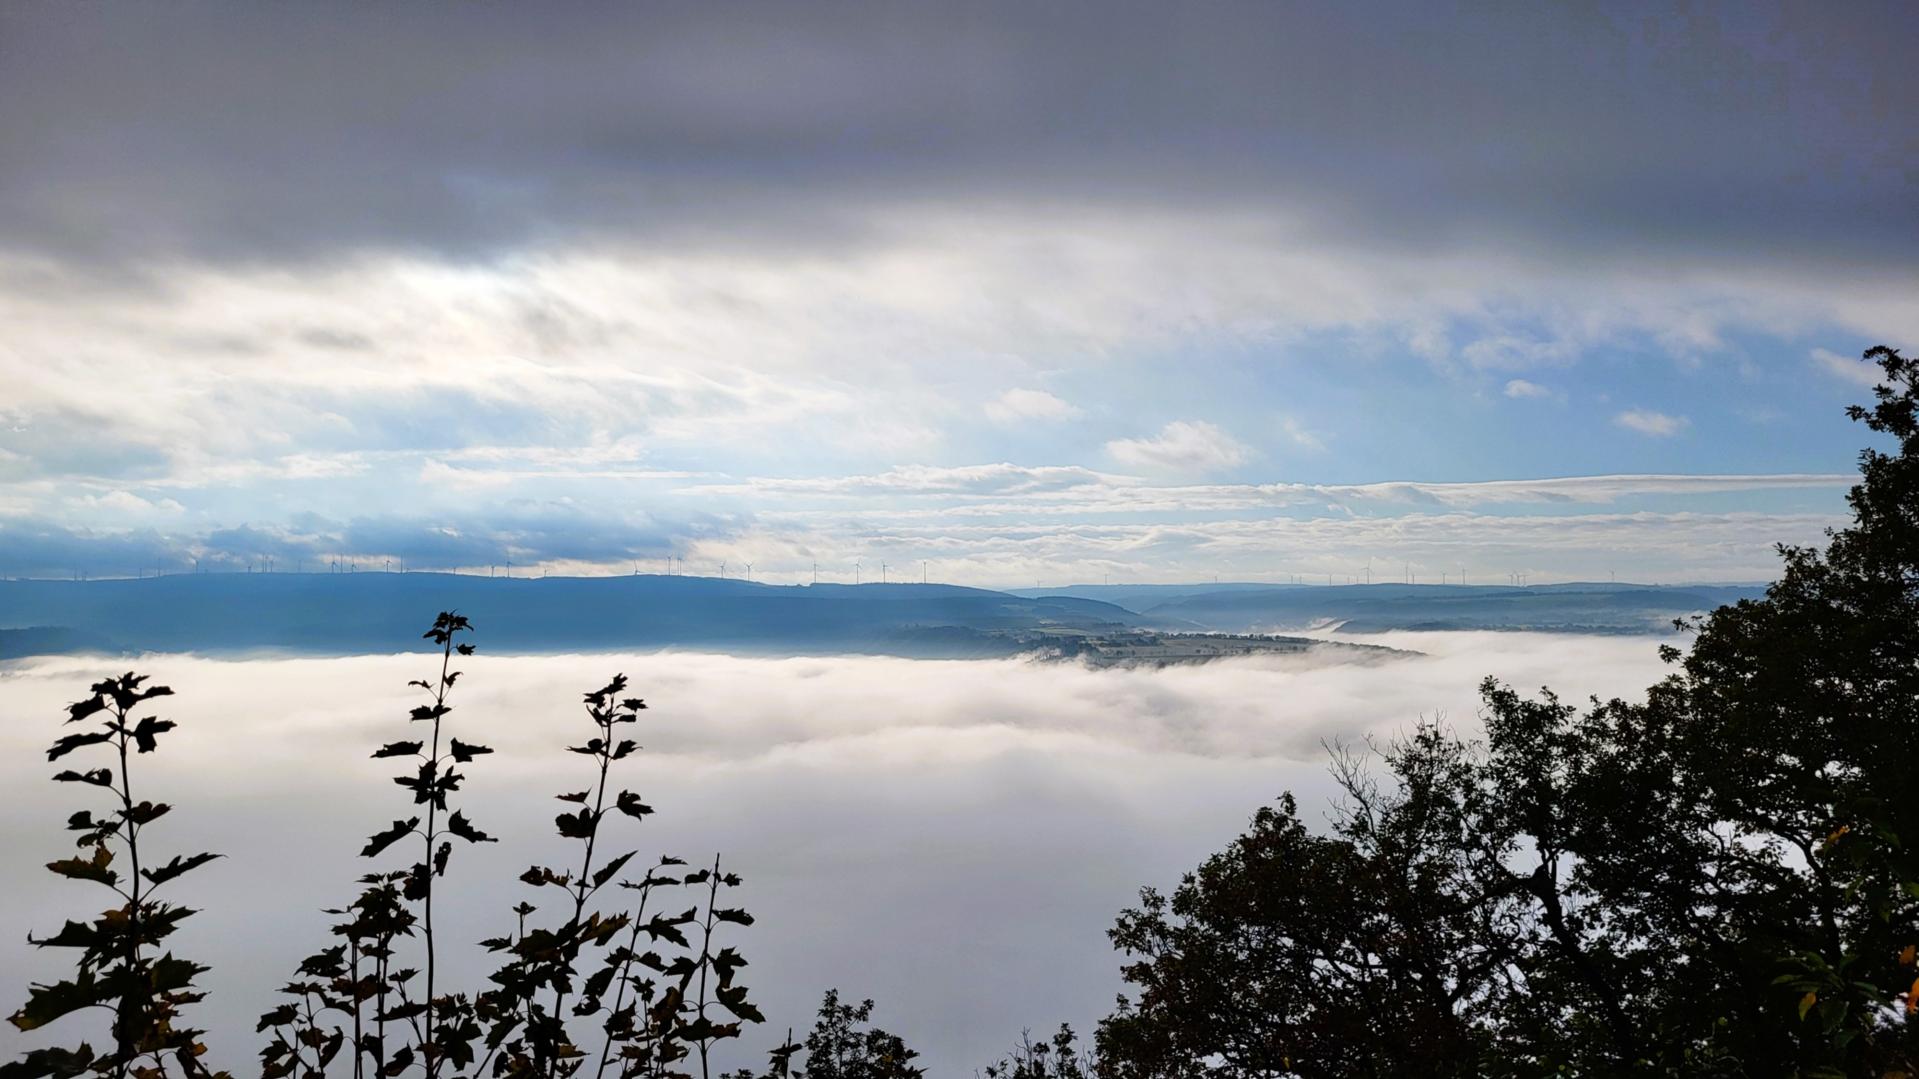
(951,839)
(1007,293)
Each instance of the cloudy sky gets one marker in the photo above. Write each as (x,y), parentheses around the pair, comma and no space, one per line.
(1153,292)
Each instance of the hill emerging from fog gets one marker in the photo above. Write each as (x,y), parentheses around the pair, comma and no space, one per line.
(1557,608)
(380,612)
(344,614)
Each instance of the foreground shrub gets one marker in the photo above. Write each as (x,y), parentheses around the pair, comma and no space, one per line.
(116,970)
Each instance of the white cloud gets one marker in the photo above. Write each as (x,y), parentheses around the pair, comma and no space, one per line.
(1857,372)
(1648,422)
(1520,388)
(121,503)
(1003,524)
(1182,446)
(1021,404)
(993,550)
(871,348)
(1299,436)
(991,479)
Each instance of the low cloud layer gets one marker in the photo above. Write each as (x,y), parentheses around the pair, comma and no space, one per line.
(1001,525)
(949,838)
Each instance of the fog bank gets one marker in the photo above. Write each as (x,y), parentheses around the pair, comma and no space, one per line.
(949,838)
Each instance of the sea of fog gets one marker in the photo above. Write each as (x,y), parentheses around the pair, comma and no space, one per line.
(951,839)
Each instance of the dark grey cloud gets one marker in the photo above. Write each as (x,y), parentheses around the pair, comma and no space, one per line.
(308,131)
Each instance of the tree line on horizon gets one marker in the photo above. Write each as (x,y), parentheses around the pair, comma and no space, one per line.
(1721,879)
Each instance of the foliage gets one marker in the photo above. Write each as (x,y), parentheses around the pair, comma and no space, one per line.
(655,1014)
(1718,880)
(663,1013)
(1286,952)
(843,1045)
(1059,1058)
(116,970)
(357,981)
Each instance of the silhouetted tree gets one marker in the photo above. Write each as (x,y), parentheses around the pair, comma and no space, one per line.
(843,1045)
(1374,950)
(1058,1058)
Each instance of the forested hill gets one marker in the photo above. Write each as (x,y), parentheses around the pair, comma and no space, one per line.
(378,612)
(1559,608)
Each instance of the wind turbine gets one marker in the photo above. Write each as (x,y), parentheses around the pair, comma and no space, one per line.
(856,573)
(749,571)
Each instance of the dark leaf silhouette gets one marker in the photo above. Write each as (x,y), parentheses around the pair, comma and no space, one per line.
(72,742)
(457,824)
(464,752)
(93,868)
(148,729)
(99,777)
(393,834)
(176,867)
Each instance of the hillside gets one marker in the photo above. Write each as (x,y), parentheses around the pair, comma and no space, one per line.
(1580,607)
(338,614)
(377,612)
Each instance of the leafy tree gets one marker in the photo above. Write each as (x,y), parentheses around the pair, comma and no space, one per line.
(1058,1058)
(1373,950)
(1717,880)
(116,970)
(843,1045)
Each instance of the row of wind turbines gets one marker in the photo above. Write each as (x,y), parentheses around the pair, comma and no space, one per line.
(676,567)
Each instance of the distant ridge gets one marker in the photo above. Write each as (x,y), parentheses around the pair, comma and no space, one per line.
(382,612)
(1599,607)
(340,614)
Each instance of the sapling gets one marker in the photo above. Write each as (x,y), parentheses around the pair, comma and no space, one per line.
(526,1014)
(116,970)
(362,970)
